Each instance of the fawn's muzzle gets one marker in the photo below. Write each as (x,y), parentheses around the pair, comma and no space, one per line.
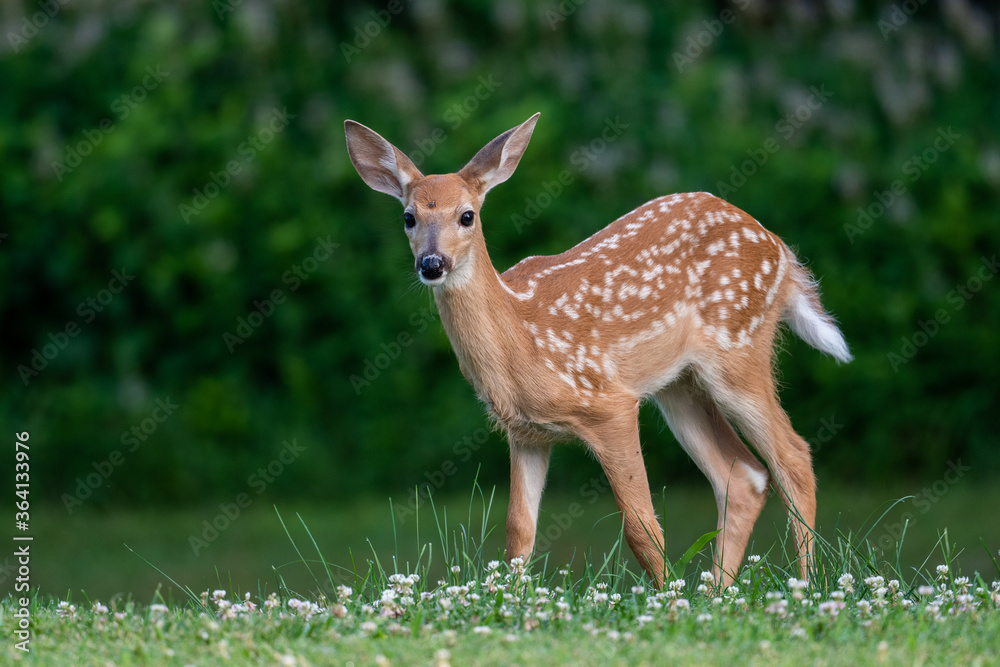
(433,267)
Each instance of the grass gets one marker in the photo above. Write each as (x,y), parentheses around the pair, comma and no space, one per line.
(453,601)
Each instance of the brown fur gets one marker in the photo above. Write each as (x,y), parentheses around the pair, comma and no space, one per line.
(678,300)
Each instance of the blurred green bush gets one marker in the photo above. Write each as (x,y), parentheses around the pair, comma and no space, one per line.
(200,149)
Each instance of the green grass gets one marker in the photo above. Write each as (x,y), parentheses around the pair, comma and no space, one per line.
(84,552)
(462,607)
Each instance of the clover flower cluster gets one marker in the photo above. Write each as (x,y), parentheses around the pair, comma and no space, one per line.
(507,598)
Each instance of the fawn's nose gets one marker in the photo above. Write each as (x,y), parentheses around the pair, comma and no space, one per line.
(432,267)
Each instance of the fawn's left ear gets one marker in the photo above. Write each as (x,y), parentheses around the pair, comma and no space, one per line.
(380,164)
(496,161)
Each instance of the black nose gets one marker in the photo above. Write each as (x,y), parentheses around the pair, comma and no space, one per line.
(431,267)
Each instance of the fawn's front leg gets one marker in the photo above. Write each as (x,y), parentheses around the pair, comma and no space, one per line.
(529,465)
(615,442)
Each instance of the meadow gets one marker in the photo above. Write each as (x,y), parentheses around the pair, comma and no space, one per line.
(372,584)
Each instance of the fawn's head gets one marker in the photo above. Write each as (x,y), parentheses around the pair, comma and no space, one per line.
(441,212)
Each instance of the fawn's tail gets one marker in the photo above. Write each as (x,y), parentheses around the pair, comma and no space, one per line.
(805,315)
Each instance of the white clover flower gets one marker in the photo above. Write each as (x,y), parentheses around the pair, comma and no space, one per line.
(846,582)
(924,591)
(753,559)
(704,618)
(99,608)
(874,582)
(345,592)
(492,565)
(677,584)
(942,570)
(455,569)
(482,629)
(638,590)
(702,588)
(707,577)
(864,607)
(218,594)
(777,607)
(831,607)
(798,586)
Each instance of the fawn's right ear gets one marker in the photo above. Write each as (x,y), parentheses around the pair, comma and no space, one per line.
(380,164)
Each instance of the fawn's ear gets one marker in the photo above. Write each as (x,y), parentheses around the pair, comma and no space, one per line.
(380,164)
(496,161)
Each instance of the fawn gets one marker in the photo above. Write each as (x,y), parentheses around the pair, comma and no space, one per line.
(678,300)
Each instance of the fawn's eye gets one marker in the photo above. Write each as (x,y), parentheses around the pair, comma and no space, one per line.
(467,218)
(408,220)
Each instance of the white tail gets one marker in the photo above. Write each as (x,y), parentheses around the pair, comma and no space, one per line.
(677,301)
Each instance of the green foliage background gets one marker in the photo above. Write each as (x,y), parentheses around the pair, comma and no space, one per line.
(698,98)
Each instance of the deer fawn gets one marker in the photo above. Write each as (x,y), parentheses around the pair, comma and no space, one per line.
(678,300)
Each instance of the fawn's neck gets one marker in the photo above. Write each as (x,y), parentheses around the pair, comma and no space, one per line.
(485,328)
